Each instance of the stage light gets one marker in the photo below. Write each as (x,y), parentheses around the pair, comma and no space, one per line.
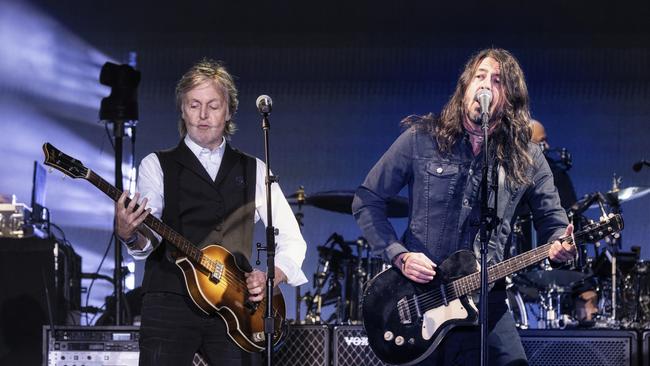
(122,103)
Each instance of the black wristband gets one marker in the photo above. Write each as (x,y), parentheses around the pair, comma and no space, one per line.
(130,242)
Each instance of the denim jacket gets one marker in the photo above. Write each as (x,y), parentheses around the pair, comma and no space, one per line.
(438,186)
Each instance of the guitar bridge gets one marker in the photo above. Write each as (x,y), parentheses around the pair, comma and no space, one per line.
(403,311)
(215,276)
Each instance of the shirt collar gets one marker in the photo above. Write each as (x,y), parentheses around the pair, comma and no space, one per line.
(196,149)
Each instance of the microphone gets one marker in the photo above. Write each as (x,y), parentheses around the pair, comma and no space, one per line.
(264,104)
(639,164)
(484,98)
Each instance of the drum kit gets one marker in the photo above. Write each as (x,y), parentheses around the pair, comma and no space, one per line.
(604,287)
(344,266)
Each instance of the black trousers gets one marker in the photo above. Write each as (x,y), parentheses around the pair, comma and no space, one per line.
(173,329)
(462,345)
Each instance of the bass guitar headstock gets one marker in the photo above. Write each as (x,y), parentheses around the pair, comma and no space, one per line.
(64,163)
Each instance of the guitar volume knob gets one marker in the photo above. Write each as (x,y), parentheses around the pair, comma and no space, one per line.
(388,336)
(399,340)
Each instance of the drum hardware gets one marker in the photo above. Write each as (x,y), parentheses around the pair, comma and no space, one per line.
(560,156)
(516,304)
(554,278)
(551,311)
(329,271)
(299,197)
(635,297)
(361,276)
(340,280)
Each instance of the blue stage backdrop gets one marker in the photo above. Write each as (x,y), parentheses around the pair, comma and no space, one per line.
(340,87)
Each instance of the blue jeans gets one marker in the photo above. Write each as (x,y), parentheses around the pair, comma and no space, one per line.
(462,347)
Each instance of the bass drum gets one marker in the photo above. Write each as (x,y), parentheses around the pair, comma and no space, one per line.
(517,307)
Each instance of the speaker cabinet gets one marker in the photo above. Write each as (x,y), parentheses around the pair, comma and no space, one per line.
(350,347)
(305,345)
(29,267)
(580,347)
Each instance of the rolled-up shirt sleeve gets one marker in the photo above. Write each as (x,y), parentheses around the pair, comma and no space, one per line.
(150,186)
(369,207)
(290,245)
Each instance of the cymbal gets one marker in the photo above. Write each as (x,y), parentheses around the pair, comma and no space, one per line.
(556,277)
(341,201)
(612,198)
(630,193)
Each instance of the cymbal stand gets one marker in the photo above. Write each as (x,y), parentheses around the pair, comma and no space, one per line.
(299,216)
(366,246)
(612,259)
(315,301)
(360,276)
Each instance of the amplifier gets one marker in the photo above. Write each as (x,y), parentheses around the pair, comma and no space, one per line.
(580,347)
(91,346)
(95,346)
(305,345)
(350,347)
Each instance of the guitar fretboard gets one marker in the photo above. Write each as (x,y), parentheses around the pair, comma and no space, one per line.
(183,245)
(471,283)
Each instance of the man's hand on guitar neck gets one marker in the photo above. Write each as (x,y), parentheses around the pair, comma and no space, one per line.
(562,252)
(256,283)
(417,267)
(128,219)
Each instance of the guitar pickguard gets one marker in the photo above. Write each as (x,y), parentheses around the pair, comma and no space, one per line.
(434,318)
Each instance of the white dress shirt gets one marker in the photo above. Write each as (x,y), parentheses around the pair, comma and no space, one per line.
(290,245)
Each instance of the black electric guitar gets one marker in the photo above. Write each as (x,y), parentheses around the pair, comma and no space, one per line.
(214,281)
(406,321)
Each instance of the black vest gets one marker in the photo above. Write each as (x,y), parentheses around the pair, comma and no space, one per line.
(203,211)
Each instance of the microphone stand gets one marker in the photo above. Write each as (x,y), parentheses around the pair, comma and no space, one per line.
(488,223)
(270,246)
(118,131)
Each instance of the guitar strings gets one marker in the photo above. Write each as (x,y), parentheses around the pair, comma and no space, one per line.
(229,278)
(226,284)
(433,298)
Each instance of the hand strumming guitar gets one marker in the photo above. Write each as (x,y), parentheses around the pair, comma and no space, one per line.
(256,283)
(416,267)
